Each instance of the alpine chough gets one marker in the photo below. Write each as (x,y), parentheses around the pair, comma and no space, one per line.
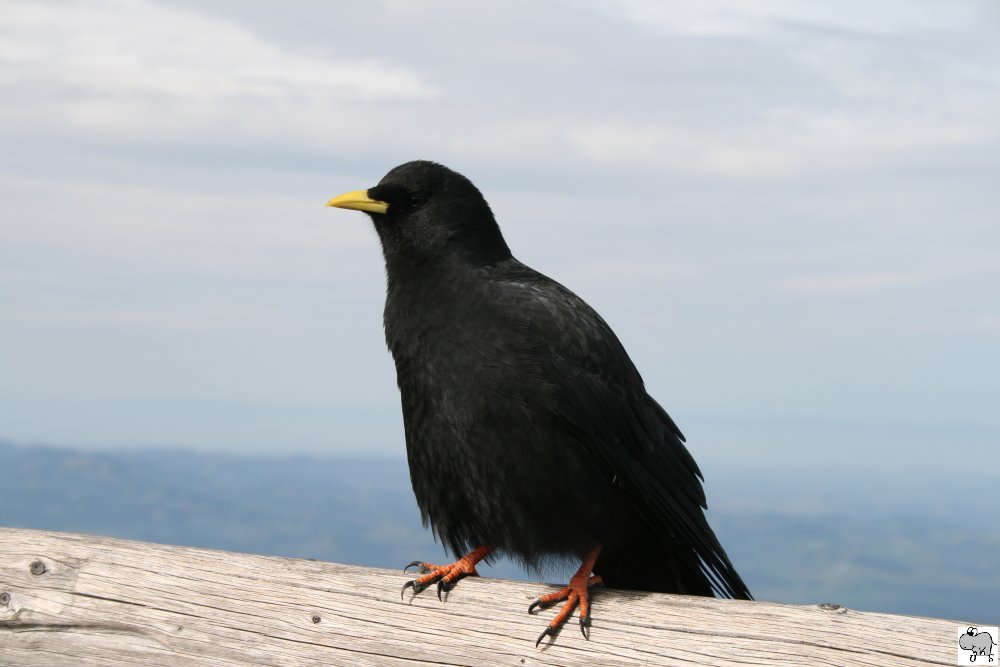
(529,432)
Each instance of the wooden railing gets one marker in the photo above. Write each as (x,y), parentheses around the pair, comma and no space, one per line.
(70,599)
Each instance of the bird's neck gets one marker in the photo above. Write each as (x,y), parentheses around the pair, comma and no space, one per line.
(423,301)
(430,279)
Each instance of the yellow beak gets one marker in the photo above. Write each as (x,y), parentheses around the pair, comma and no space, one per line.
(359,201)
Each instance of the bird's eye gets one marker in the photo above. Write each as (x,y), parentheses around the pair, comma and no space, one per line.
(399,198)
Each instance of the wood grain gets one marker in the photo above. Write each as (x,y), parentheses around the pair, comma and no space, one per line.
(71,599)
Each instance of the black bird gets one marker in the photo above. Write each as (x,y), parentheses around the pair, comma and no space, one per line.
(529,431)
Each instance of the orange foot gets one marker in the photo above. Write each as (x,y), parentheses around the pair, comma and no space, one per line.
(575,593)
(446,576)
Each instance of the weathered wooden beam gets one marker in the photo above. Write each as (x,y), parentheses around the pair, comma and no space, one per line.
(70,599)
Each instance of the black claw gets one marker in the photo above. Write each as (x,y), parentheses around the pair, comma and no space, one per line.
(415,564)
(417,589)
(538,603)
(549,631)
(585,627)
(446,586)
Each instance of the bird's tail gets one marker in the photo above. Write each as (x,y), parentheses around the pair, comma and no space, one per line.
(650,563)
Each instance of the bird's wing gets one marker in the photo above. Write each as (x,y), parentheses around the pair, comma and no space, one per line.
(600,396)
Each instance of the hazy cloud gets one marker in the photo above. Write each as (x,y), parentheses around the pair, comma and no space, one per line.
(137,72)
(783,208)
(866,281)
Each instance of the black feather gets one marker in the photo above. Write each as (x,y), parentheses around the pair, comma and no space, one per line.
(528,428)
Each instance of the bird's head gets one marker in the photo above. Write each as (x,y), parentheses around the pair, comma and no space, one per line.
(424,211)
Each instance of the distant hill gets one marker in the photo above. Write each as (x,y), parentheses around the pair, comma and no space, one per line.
(868,542)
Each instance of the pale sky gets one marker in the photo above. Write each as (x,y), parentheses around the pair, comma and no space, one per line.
(789,211)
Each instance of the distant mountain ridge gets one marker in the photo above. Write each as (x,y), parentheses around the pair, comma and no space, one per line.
(792,539)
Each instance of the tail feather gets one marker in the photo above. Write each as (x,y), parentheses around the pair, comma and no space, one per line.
(651,564)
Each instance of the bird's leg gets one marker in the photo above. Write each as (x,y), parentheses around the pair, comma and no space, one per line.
(446,576)
(573,594)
